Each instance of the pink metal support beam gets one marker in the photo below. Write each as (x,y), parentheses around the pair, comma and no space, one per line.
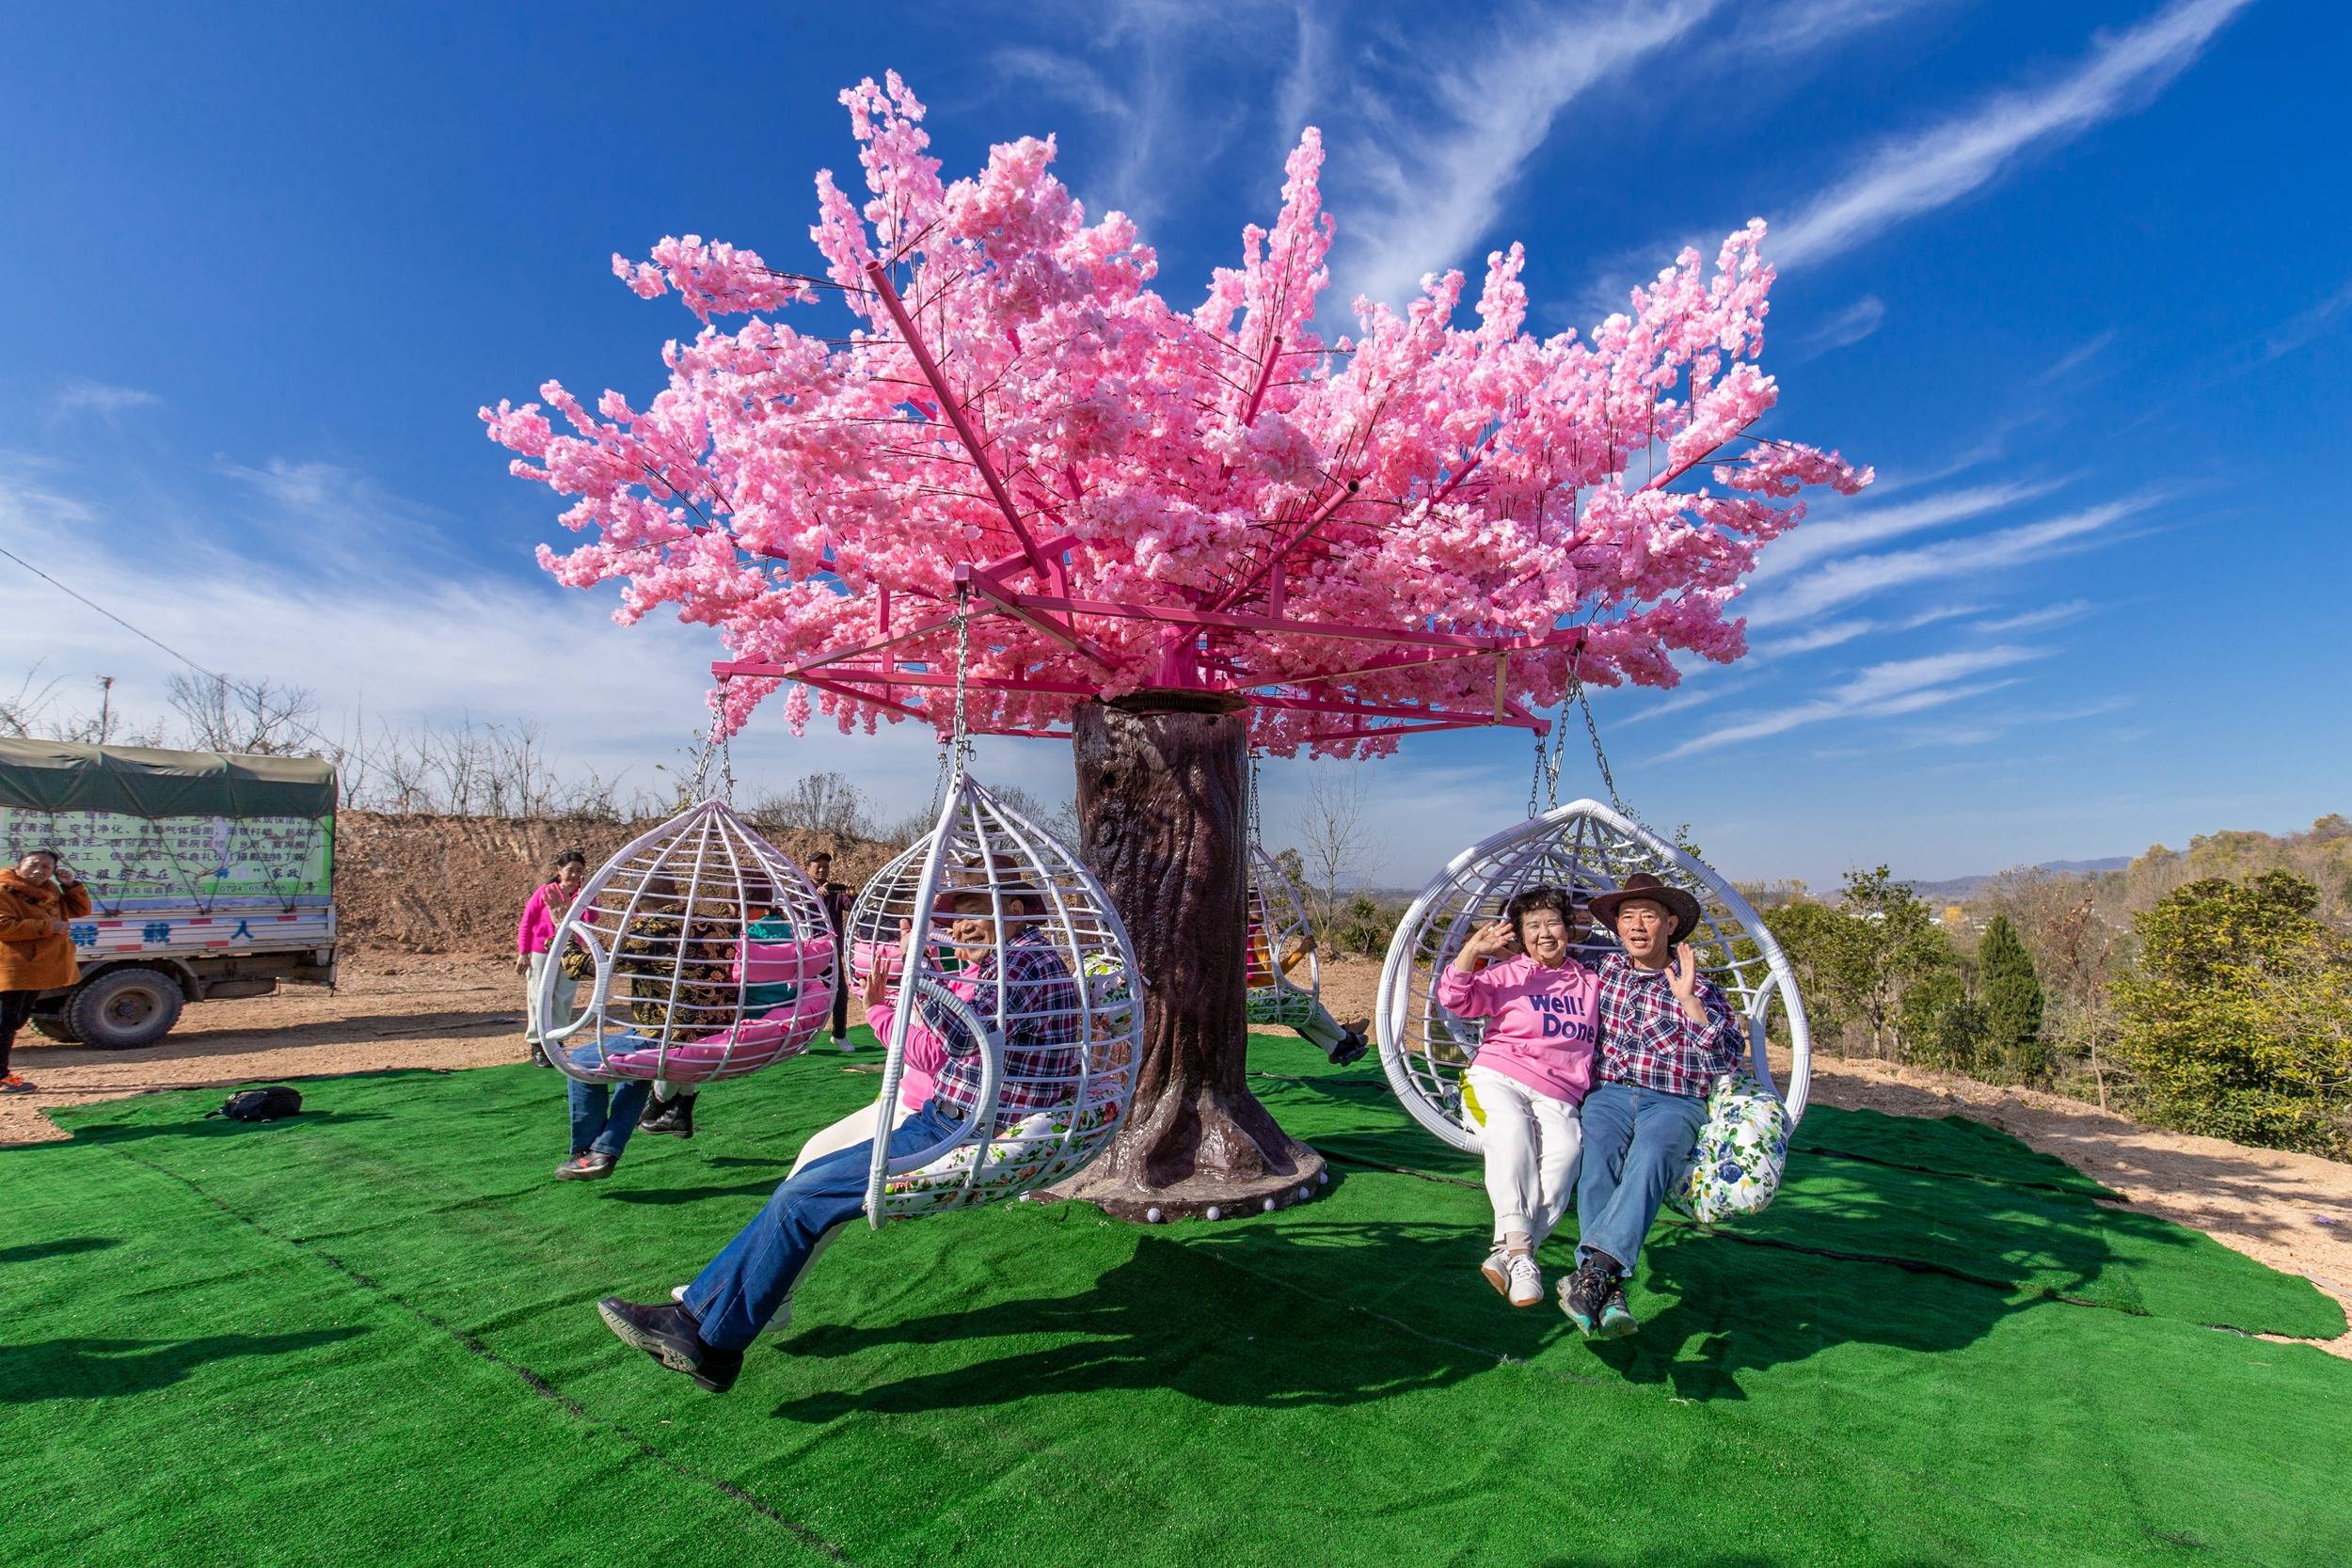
(998,593)
(880,276)
(1305,531)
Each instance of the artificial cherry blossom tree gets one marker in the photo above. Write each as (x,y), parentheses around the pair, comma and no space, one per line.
(1168,534)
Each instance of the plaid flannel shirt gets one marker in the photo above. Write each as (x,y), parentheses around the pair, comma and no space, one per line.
(1645,1040)
(1043,1058)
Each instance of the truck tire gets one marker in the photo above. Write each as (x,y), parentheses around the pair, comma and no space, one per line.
(124,1008)
(53,1026)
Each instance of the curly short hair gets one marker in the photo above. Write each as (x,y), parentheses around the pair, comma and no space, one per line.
(1528,901)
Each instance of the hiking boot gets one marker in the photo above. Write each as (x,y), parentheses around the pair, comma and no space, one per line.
(675,1117)
(12,1084)
(588,1166)
(670,1336)
(1583,1296)
(1349,1048)
(1617,1319)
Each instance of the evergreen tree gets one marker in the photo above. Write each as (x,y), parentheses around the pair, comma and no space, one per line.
(2011,999)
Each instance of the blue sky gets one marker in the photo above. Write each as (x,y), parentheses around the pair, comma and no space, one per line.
(2075,279)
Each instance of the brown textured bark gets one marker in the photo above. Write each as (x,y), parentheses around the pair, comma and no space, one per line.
(1161,810)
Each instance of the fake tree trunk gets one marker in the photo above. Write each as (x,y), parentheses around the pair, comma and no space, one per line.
(1162,818)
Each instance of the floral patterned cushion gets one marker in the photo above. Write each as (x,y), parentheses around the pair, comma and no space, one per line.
(1736,1165)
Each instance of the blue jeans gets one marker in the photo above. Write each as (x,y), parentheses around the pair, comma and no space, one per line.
(738,1292)
(1636,1141)
(603,1114)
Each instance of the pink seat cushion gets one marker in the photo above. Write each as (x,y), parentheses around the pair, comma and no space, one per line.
(781,963)
(753,1043)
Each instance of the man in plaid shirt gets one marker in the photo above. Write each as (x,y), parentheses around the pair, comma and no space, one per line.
(704,1332)
(1666,1036)
(1043,1059)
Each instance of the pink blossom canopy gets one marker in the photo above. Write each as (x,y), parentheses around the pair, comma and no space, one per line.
(1154,496)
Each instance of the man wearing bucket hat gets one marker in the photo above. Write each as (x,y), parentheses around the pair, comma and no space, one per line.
(1017,974)
(1666,1035)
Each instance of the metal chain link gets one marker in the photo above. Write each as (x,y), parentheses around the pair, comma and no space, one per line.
(963,663)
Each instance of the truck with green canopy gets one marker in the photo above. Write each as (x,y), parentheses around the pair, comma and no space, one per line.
(210,875)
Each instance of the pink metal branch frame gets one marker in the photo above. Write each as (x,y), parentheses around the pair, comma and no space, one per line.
(870,672)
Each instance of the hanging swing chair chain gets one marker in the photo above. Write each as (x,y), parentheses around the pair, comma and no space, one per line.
(962,742)
(1600,757)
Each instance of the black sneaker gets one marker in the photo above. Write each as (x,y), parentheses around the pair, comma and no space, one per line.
(1617,1318)
(588,1166)
(670,1335)
(1583,1294)
(673,1118)
(1351,1048)
(539,1055)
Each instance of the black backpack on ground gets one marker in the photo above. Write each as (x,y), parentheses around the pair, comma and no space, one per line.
(261,1104)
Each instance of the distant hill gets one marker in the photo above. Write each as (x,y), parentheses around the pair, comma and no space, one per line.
(1960,888)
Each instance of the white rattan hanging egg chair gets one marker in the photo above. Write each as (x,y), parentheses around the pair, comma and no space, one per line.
(710,953)
(1278,927)
(1586,848)
(1061,1048)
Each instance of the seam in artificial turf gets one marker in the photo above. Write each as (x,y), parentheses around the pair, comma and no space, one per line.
(476,1347)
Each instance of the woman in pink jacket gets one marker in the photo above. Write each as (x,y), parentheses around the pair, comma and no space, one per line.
(533,936)
(1530,1074)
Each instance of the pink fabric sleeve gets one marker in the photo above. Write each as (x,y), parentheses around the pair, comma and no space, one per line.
(1463,995)
(531,907)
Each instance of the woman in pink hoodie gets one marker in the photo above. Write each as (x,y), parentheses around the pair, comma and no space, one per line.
(1530,1074)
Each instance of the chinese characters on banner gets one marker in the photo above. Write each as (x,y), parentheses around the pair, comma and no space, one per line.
(176,862)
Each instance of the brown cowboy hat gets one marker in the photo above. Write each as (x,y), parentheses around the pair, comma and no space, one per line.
(1648,889)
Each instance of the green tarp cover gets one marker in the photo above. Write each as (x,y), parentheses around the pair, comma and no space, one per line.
(139,780)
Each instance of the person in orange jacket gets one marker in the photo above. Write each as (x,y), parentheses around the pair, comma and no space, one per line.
(37,899)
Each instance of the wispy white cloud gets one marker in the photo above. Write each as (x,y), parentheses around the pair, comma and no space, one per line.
(1843,582)
(1810,26)
(1878,691)
(2036,620)
(1863,527)
(2309,325)
(1836,633)
(2074,358)
(83,396)
(1690,696)
(1440,188)
(1848,327)
(1917,173)
(386,643)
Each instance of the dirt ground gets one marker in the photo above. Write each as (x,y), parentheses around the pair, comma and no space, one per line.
(2292,1211)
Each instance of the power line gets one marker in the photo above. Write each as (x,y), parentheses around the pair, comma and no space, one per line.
(258,695)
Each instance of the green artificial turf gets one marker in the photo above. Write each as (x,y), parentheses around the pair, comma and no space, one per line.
(364,1336)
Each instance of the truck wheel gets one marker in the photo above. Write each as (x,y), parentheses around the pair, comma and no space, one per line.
(54,1026)
(124,1008)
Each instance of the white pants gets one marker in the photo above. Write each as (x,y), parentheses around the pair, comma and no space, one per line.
(1531,1142)
(559,1015)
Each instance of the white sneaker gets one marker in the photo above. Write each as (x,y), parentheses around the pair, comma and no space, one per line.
(1527,1281)
(777,1324)
(1497,1268)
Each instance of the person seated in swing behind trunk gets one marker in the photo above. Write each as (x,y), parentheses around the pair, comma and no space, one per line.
(1666,1035)
(534,937)
(1273,998)
(1534,1066)
(1018,975)
(39,899)
(672,1111)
